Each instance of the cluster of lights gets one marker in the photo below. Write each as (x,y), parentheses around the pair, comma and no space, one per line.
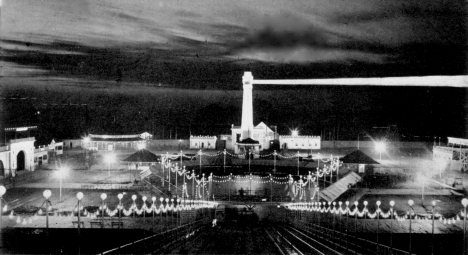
(341,208)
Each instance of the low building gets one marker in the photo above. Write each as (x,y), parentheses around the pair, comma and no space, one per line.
(43,154)
(203,142)
(454,155)
(114,142)
(17,155)
(299,142)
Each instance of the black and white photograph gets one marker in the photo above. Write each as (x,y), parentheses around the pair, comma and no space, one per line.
(233,127)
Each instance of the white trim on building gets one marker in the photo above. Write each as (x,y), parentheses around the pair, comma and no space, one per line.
(203,142)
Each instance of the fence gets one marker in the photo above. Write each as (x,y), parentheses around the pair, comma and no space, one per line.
(158,243)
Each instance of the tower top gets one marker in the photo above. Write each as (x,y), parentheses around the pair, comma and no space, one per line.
(247,79)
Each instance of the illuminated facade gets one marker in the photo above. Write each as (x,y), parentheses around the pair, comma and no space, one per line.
(114,142)
(300,142)
(203,142)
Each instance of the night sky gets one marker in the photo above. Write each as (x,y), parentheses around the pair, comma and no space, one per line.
(175,67)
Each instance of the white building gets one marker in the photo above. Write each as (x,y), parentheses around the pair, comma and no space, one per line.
(17,155)
(299,142)
(261,133)
(114,142)
(454,155)
(202,142)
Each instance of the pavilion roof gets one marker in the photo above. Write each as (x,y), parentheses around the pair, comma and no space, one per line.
(358,157)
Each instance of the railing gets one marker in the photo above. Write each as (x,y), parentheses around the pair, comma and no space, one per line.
(342,240)
(161,241)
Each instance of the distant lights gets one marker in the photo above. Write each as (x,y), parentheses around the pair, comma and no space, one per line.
(464,202)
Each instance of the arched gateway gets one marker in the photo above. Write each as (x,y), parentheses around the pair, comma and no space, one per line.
(20,161)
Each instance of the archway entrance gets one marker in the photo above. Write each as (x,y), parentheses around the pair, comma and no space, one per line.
(2,169)
(20,161)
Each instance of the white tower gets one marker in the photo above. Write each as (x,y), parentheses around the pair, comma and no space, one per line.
(247,109)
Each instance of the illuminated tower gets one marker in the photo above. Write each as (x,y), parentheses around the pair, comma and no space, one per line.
(247,109)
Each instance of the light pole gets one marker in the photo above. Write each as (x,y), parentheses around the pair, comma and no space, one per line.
(248,155)
(380,146)
(224,152)
(410,203)
(134,197)
(200,153)
(274,161)
(230,180)
(61,173)
(103,197)
(347,223)
(161,199)
(79,195)
(378,225)
(334,203)
(355,222)
(153,207)
(144,209)
(464,203)
(110,158)
(167,208)
(2,192)
(120,196)
(392,203)
(365,215)
(47,193)
(298,163)
(433,208)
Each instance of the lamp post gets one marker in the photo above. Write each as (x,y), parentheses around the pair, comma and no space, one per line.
(110,158)
(334,203)
(433,208)
(176,168)
(230,180)
(392,203)
(365,215)
(298,163)
(355,223)
(153,207)
(134,197)
(61,173)
(79,195)
(2,192)
(347,223)
(47,193)
(248,155)
(410,203)
(120,196)
(103,197)
(274,161)
(380,146)
(378,224)
(161,199)
(200,153)
(224,152)
(464,203)
(167,208)
(144,209)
